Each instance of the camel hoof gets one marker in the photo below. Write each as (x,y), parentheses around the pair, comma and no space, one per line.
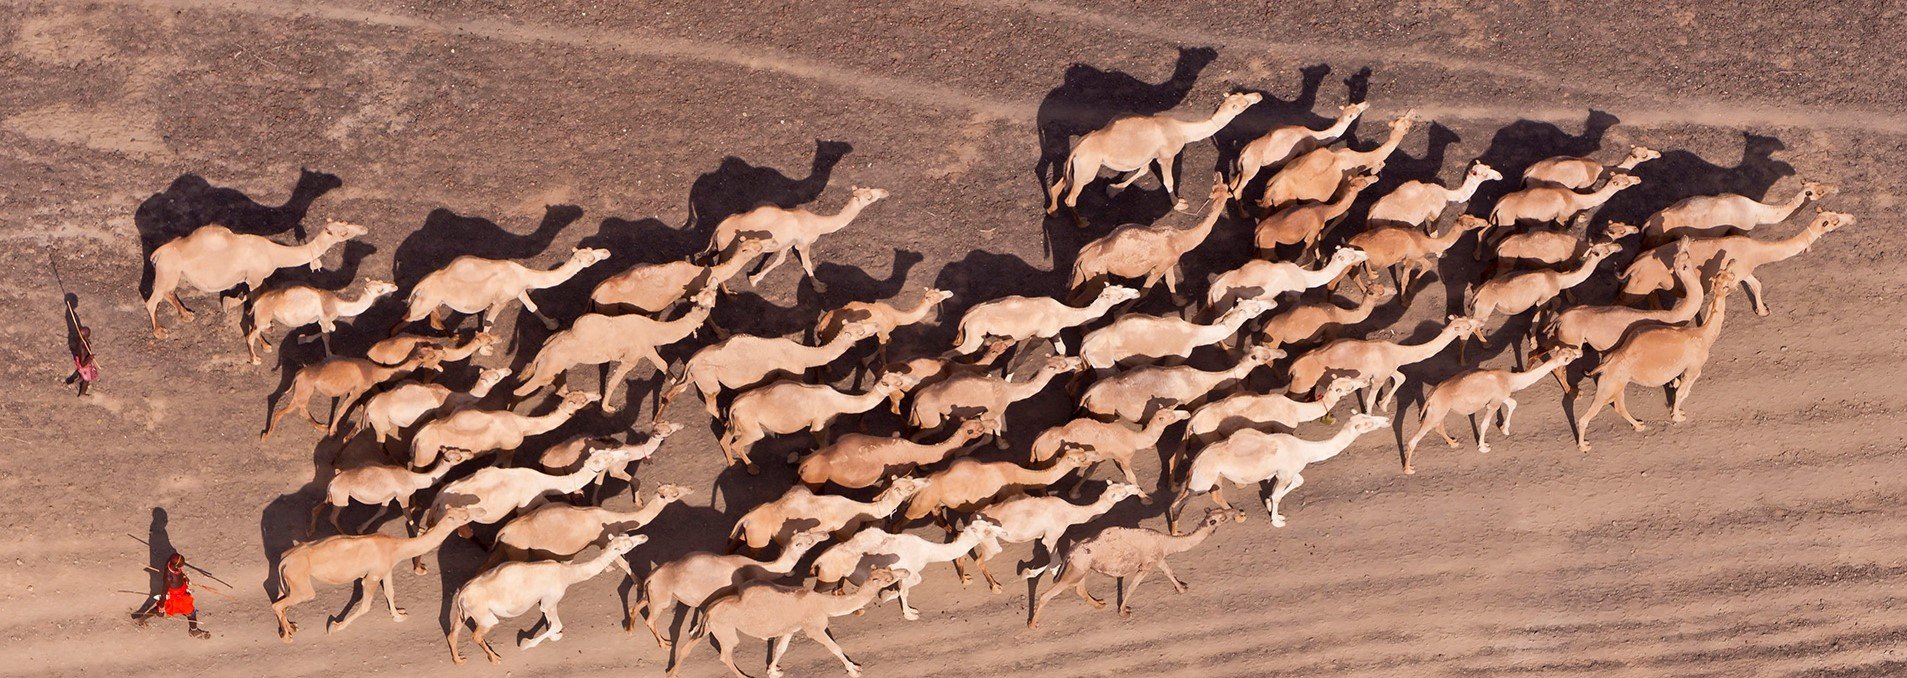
(1181,206)
(664,644)
(1761,312)
(457,659)
(1277,521)
(1099,604)
(1678,417)
(420,569)
(1582,447)
(995,588)
(495,661)
(331,627)
(256,361)
(1640,427)
(1452,444)
(1483,449)
(1409,471)
(1238,518)
(854,671)
(752,469)
(910,615)
(400,615)
(1125,611)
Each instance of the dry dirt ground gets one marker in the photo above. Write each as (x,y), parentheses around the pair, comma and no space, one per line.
(1766,536)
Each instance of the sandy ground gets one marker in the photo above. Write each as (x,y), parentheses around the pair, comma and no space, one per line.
(1763,537)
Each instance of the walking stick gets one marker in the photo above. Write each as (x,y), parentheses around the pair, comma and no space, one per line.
(195,568)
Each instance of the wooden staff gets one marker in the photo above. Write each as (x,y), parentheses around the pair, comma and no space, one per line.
(195,568)
(207,587)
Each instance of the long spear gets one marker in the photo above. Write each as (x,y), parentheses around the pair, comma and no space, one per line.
(196,568)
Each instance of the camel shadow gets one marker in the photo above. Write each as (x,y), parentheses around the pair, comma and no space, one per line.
(735,186)
(1681,174)
(191,202)
(447,235)
(1271,113)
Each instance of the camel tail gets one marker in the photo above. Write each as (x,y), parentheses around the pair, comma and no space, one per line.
(736,531)
(1470,299)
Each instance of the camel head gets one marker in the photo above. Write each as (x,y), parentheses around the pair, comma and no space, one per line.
(1617,230)
(1568,354)
(1263,354)
(1249,308)
(1218,516)
(1724,277)
(1350,256)
(705,298)
(456,455)
(428,357)
(1170,417)
(1471,222)
(1602,249)
(1462,325)
(1826,222)
(1360,182)
(895,382)
(1641,154)
(1621,181)
(1117,294)
(624,543)
(986,528)
(378,288)
(1401,125)
(1351,111)
(1813,190)
(867,196)
(1684,260)
(1366,423)
(1483,172)
(664,429)
(904,487)
(1236,102)
(1343,386)
(747,246)
(1077,455)
(857,331)
(882,578)
(589,256)
(1121,491)
(933,295)
(671,492)
(1220,191)
(1381,293)
(806,539)
(343,230)
(456,515)
(971,429)
(486,343)
(1063,363)
(490,377)
(576,400)
(601,459)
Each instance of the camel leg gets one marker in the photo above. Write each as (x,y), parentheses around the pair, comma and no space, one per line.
(819,632)
(343,412)
(553,632)
(1682,387)
(528,305)
(251,342)
(315,510)
(1483,432)
(297,396)
(478,635)
(678,654)
(907,609)
(772,263)
(369,584)
(1622,408)
(296,591)
(1278,491)
(1047,597)
(1079,587)
(1447,438)
(1509,410)
(489,317)
(776,648)
(1603,397)
(1397,382)
(1134,176)
(980,562)
(728,639)
(1177,584)
(1081,170)
(649,616)
(390,598)
(615,381)
(807,266)
(456,629)
(1424,426)
(1753,285)
(1125,602)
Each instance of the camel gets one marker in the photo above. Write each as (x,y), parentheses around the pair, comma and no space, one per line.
(1045,520)
(930,370)
(472,284)
(1651,270)
(967,483)
(513,588)
(1307,320)
(781,229)
(409,402)
(564,530)
(1515,293)
(1416,203)
(1018,318)
(984,396)
(700,576)
(213,259)
(1263,279)
(1134,395)
(395,349)
(1480,390)
(1136,337)
(801,510)
(786,407)
(1147,253)
(1711,216)
(1375,360)
(1549,248)
(482,431)
(378,485)
(1281,144)
(1554,204)
(858,460)
(1576,173)
(490,494)
(776,612)
(882,316)
(1252,456)
(743,361)
(299,305)
(653,288)
(1132,143)
(848,561)
(344,380)
(1110,441)
(1602,327)
(1407,251)
(1304,224)
(627,340)
(1671,356)
(1122,552)
(367,559)
(1316,176)
(566,457)
(1264,412)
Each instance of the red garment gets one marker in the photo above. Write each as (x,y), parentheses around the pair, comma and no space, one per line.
(179,602)
(88,370)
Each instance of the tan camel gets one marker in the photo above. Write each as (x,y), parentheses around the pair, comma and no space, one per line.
(743,361)
(1264,412)
(851,562)
(654,288)
(1110,441)
(882,316)
(299,305)
(407,403)
(1043,519)
(567,456)
(344,380)
(626,340)
(700,576)
(1281,144)
(1251,457)
(395,349)
(926,371)
(1407,251)
(780,229)
(1416,203)
(1671,356)
(1134,395)
(1549,248)
(367,559)
(967,483)
(1576,173)
(564,530)
(767,610)
(983,396)
(490,494)
(1122,553)
(481,431)
(1651,270)
(1132,143)
(1266,280)
(1018,318)
(378,485)
(1304,224)
(1711,216)
(1515,293)
(1307,320)
(786,407)
(1601,327)
(213,259)
(1375,360)
(1136,337)
(1554,204)
(858,460)
(1479,390)
(800,510)
(472,284)
(1316,176)
(1146,253)
(511,589)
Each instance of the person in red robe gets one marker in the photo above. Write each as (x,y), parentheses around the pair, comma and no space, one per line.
(177,599)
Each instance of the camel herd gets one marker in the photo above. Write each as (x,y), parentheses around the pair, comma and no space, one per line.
(1128,373)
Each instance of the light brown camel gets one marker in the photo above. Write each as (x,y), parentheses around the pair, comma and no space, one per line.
(1711,216)
(395,349)
(1307,320)
(1416,203)
(1265,412)
(1651,270)
(1671,356)
(1110,441)
(700,576)
(299,305)
(367,559)
(967,483)
(654,288)
(858,460)
(1303,224)
(1549,248)
(1554,204)
(1602,327)
(1515,293)
(480,431)
(1132,143)
(1252,457)
(562,530)
(1576,173)
(1149,253)
(1281,144)
(1479,390)
(1316,176)
(1133,338)
(626,340)
(786,407)
(773,611)
(472,284)
(213,259)
(511,589)
(1016,318)
(853,561)
(1136,394)
(1407,251)
(884,317)
(800,510)
(1122,553)
(379,485)
(781,229)
(743,361)
(983,396)
(1375,360)
(407,403)
(345,380)
(1044,519)
(1266,280)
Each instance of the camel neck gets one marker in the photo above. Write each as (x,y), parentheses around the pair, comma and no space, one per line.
(1471,182)
(1694,297)
(1186,542)
(1433,346)
(840,220)
(1337,128)
(1330,447)
(1184,240)
(426,542)
(555,276)
(1194,131)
